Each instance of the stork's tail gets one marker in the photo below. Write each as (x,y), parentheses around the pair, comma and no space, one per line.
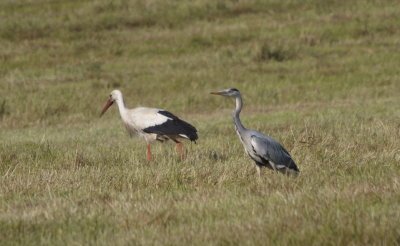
(188,130)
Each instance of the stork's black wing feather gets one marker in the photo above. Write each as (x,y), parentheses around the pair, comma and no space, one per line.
(173,126)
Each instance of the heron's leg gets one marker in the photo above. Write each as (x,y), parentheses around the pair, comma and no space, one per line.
(258,171)
(148,152)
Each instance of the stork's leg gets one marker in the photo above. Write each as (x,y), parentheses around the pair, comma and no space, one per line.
(180,149)
(179,145)
(148,152)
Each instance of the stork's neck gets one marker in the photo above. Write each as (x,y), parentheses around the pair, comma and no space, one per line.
(236,112)
(121,106)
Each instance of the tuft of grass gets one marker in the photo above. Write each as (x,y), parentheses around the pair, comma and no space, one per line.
(277,53)
(3,109)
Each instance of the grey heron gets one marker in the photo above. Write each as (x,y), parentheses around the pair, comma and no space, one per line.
(262,149)
(152,124)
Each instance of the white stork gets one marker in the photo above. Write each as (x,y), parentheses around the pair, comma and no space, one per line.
(152,124)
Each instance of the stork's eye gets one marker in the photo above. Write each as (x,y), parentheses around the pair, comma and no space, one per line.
(110,95)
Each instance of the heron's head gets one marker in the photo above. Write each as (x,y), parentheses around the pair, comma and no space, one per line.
(114,96)
(231,92)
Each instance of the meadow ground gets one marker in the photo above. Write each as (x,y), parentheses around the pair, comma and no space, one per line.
(321,77)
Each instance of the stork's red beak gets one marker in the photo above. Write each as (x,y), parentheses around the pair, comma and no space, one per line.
(108,104)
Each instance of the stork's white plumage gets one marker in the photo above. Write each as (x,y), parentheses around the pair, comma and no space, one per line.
(152,124)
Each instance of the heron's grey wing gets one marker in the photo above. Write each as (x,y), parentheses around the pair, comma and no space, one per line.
(272,151)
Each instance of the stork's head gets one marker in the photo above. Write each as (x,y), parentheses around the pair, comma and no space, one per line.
(231,92)
(114,96)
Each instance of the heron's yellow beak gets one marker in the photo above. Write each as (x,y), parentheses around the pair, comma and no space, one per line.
(216,93)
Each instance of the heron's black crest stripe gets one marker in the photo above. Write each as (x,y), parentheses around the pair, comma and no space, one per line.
(173,126)
(234,89)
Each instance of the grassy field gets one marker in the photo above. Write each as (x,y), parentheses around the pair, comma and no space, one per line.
(321,77)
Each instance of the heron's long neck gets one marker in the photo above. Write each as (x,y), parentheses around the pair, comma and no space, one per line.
(236,112)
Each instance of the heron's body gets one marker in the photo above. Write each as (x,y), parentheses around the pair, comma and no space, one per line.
(152,124)
(264,150)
